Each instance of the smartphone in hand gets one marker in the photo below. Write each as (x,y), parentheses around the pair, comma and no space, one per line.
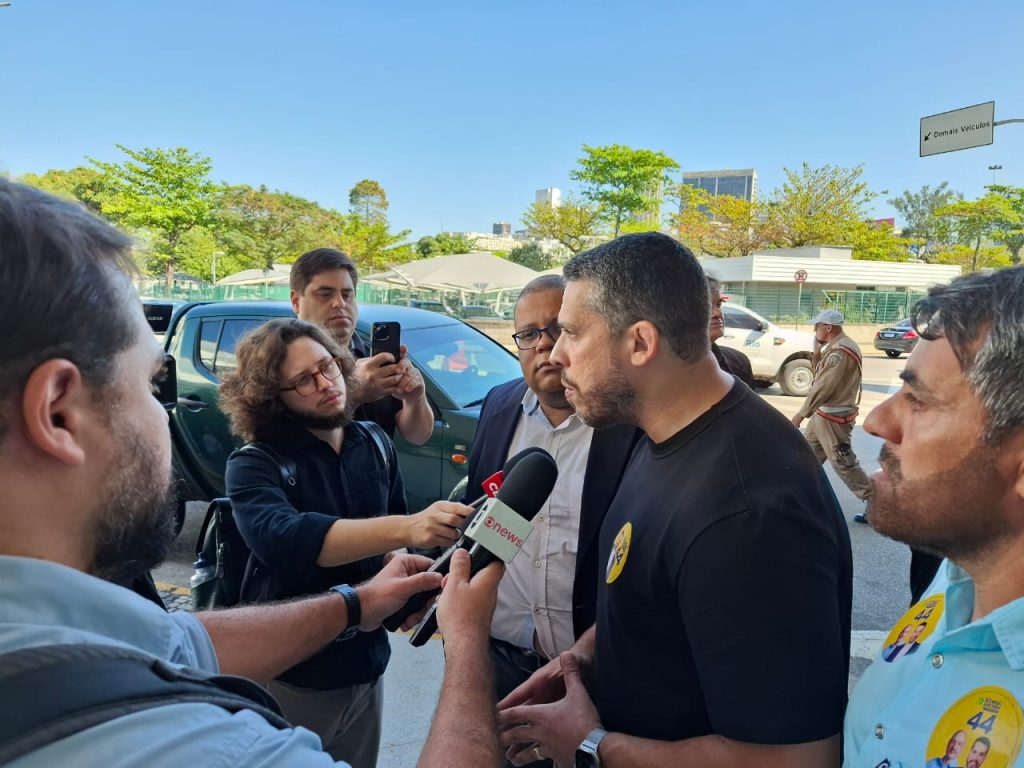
(386,337)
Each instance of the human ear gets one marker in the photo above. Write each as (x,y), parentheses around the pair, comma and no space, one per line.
(53,403)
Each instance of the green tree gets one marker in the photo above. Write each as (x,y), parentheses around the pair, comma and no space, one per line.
(164,191)
(84,184)
(573,223)
(445,243)
(918,211)
(879,242)
(624,183)
(368,200)
(978,220)
(533,256)
(259,227)
(819,206)
(973,259)
(720,225)
(365,232)
(1011,232)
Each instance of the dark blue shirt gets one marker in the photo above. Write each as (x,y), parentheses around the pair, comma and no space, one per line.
(285,529)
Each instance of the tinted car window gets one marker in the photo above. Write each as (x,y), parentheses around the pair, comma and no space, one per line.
(209,331)
(736,319)
(233,331)
(465,364)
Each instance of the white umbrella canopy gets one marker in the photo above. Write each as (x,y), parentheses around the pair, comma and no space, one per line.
(256,277)
(480,272)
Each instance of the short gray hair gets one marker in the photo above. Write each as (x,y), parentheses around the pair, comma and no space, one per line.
(60,295)
(986,307)
(649,276)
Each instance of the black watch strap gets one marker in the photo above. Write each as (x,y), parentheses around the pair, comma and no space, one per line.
(355,612)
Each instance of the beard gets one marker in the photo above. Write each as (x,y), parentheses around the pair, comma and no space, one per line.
(134,527)
(951,513)
(313,421)
(611,402)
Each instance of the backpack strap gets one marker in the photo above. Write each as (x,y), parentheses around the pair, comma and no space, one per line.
(379,438)
(55,691)
(285,465)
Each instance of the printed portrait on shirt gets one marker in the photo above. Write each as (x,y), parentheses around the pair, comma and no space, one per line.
(913,629)
(983,729)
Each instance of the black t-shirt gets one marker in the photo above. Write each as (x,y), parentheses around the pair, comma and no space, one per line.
(728,612)
(285,530)
(383,411)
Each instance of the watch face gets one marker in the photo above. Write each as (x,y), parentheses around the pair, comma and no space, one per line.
(584,759)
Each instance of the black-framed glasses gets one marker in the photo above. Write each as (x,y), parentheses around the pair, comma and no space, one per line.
(330,370)
(531,338)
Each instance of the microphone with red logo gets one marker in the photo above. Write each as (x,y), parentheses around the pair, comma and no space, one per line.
(503,524)
(492,486)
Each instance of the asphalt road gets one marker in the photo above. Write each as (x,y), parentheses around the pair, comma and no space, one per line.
(881,566)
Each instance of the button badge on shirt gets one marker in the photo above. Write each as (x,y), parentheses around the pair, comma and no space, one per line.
(619,553)
(983,728)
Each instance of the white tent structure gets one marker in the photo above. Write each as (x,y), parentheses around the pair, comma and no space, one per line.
(478,272)
(280,274)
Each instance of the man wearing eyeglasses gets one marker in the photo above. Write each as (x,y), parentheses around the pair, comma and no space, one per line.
(334,525)
(386,391)
(548,594)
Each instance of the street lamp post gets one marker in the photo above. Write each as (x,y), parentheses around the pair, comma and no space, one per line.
(994,168)
(213,269)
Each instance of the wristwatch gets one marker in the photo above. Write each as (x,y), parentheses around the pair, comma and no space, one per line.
(586,753)
(355,613)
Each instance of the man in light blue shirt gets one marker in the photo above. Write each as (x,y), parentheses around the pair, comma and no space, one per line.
(951,483)
(85,472)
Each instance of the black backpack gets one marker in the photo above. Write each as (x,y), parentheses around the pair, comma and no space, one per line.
(51,692)
(226,571)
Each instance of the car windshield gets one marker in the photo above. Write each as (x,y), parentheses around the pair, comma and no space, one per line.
(464,363)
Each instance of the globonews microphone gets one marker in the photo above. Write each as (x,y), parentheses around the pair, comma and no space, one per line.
(503,524)
(441,564)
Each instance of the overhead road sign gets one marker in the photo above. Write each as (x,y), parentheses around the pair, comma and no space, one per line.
(959,129)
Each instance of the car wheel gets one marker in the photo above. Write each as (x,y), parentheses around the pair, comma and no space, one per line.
(894,353)
(796,378)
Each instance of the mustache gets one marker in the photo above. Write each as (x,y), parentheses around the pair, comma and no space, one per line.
(889,462)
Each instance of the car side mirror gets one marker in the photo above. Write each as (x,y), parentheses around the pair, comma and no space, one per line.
(762,326)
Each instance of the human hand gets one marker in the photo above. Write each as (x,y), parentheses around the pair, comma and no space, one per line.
(550,730)
(466,606)
(410,386)
(797,420)
(437,525)
(376,377)
(402,577)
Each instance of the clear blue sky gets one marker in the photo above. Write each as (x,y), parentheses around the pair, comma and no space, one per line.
(463,109)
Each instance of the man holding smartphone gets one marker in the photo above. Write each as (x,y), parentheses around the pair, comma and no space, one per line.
(389,392)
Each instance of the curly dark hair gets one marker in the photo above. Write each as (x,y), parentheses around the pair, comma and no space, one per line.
(251,395)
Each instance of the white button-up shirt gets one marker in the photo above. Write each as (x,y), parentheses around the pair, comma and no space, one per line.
(535,594)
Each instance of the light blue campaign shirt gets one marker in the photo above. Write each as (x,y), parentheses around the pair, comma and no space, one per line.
(944,690)
(42,603)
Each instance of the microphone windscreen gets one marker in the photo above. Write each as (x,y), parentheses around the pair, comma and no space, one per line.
(529,483)
(514,460)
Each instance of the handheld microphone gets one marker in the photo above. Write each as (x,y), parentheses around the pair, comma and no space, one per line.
(441,564)
(502,524)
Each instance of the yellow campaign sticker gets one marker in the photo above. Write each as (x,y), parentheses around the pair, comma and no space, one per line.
(983,728)
(619,553)
(914,628)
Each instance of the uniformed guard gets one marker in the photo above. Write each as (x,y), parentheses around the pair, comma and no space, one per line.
(833,401)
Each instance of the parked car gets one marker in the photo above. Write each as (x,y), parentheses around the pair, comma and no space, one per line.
(478,312)
(776,354)
(459,365)
(894,340)
(431,306)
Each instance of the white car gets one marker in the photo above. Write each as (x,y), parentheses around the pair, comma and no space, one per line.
(776,355)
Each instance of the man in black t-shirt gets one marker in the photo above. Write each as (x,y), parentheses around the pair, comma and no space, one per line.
(386,391)
(723,622)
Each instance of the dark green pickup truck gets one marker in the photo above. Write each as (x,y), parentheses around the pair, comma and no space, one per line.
(459,366)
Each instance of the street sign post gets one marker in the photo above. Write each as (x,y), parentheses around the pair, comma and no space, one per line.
(801,277)
(959,129)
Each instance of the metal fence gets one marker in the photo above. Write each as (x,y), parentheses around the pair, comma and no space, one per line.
(779,303)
